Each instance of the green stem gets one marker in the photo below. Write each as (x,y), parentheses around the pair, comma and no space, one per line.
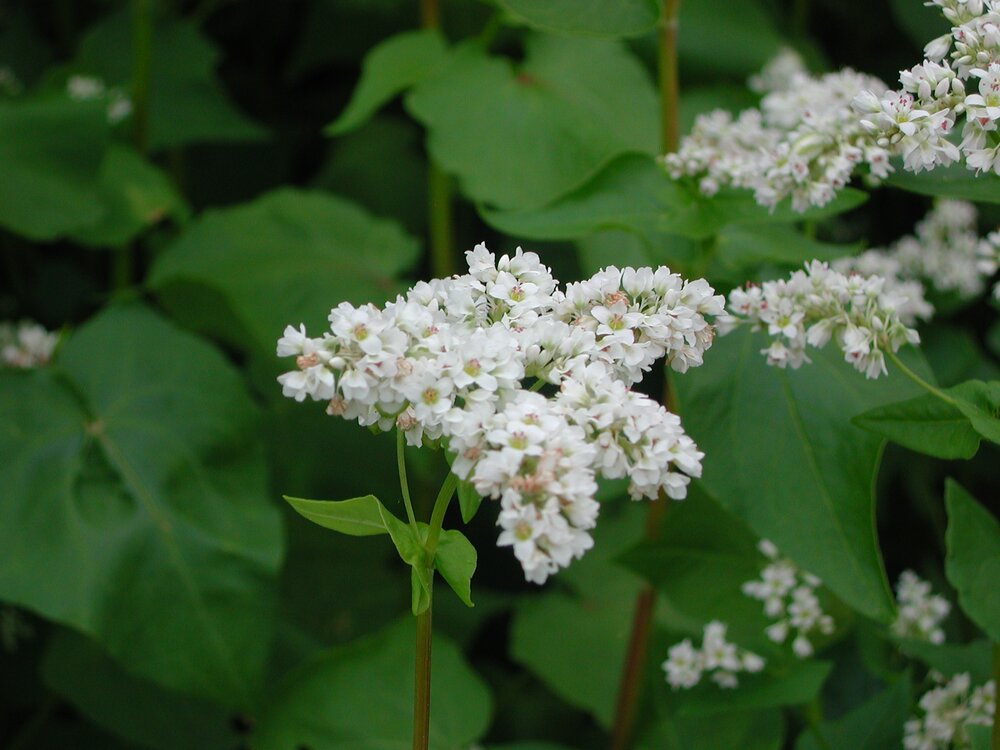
(995,744)
(445,494)
(919,380)
(669,79)
(404,485)
(422,681)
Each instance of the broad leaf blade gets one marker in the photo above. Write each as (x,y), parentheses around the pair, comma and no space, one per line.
(876,725)
(980,402)
(973,562)
(782,455)
(359,516)
(469,500)
(955,181)
(388,69)
(135,476)
(542,128)
(301,251)
(361,697)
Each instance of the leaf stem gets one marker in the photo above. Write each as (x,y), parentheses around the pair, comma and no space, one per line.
(919,380)
(404,485)
(422,681)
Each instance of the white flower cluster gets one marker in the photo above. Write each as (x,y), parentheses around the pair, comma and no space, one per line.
(25,345)
(789,596)
(947,711)
(917,120)
(686,664)
(861,313)
(804,141)
(945,252)
(445,363)
(89,88)
(920,612)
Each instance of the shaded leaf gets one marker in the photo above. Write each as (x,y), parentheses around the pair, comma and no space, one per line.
(135,194)
(469,500)
(50,158)
(602,18)
(135,710)
(390,68)
(796,684)
(187,103)
(746,730)
(303,252)
(973,562)
(541,128)
(722,37)
(876,725)
(980,403)
(951,659)
(361,698)
(134,476)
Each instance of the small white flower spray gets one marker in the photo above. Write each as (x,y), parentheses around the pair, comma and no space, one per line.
(946,713)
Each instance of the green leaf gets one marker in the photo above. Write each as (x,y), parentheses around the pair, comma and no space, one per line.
(746,730)
(455,559)
(361,698)
(742,249)
(187,103)
(781,454)
(973,562)
(634,194)
(469,500)
(600,18)
(75,669)
(722,37)
(303,252)
(795,685)
(955,181)
(390,68)
(951,659)
(50,157)
(876,725)
(980,402)
(133,477)
(924,424)
(136,195)
(359,516)
(520,136)
(421,583)
(980,737)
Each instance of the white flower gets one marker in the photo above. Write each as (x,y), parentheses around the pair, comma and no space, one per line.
(84,88)
(789,596)
(947,710)
(26,345)
(818,304)
(920,612)
(686,664)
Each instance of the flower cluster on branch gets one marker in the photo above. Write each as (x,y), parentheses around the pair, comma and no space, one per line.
(447,364)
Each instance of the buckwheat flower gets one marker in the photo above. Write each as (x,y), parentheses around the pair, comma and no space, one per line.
(26,345)
(947,711)
(804,142)
(85,88)
(685,664)
(819,304)
(789,597)
(920,611)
